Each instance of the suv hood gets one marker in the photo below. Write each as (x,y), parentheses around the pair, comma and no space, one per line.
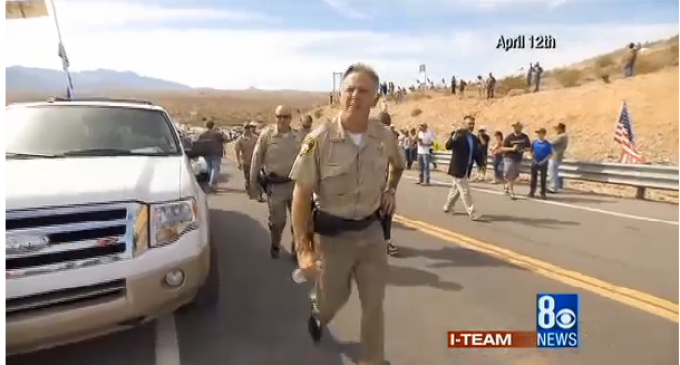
(42,182)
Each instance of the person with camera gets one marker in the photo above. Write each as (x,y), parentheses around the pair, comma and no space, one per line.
(466,150)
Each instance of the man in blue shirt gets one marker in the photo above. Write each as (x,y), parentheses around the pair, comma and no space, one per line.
(541,151)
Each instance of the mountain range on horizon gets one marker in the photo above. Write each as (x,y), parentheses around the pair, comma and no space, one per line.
(22,79)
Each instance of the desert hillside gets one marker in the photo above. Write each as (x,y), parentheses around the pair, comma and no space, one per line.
(225,107)
(589,111)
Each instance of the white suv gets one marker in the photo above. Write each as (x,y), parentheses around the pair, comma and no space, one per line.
(107,226)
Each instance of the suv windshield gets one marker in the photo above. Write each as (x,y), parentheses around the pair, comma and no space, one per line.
(63,130)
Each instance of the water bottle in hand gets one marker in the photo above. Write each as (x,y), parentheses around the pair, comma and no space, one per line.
(299,276)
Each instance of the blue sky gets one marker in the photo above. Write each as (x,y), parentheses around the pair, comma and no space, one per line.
(298,44)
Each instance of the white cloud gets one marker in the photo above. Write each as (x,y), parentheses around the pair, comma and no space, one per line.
(289,59)
(494,4)
(342,7)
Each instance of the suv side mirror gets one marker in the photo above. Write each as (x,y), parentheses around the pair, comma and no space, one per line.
(199,148)
(191,153)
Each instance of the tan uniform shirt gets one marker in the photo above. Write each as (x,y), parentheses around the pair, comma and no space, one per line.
(275,152)
(347,180)
(245,145)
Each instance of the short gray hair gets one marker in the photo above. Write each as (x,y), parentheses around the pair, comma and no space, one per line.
(365,69)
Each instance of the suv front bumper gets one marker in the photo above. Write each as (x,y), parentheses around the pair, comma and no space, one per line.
(143,295)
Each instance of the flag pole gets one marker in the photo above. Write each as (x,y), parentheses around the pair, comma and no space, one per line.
(62,49)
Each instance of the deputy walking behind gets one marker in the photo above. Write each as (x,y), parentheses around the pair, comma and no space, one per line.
(344,163)
(275,151)
(465,151)
(305,126)
(243,148)
(541,151)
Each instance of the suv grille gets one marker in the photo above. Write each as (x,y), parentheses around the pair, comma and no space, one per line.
(65,298)
(45,240)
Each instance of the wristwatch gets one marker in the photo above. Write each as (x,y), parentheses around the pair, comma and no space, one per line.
(391,191)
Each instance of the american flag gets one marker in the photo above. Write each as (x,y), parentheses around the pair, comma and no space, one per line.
(623,135)
(64,58)
(65,64)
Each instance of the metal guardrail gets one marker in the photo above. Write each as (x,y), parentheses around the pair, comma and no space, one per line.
(641,177)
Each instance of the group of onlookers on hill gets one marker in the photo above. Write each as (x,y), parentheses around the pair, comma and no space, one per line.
(486,87)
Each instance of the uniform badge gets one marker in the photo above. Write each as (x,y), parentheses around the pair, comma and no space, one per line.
(307,146)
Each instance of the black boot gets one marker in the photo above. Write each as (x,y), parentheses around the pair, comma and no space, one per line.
(293,252)
(275,244)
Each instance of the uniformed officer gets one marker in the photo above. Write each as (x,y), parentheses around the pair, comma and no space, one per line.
(275,151)
(343,163)
(306,125)
(243,148)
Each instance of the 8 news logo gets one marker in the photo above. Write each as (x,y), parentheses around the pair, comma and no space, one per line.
(557,317)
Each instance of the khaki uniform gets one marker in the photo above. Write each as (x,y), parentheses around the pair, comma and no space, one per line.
(244,146)
(275,152)
(348,182)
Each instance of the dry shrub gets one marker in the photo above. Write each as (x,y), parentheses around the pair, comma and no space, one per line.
(418,95)
(605,61)
(318,114)
(646,65)
(416,112)
(673,50)
(505,85)
(515,92)
(568,77)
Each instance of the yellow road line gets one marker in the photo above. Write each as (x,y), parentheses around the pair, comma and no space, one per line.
(636,299)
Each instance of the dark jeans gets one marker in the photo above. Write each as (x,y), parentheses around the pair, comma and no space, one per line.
(498,167)
(424,161)
(538,171)
(628,71)
(411,155)
(386,224)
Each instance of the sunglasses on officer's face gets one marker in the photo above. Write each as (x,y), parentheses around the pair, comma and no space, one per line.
(283,116)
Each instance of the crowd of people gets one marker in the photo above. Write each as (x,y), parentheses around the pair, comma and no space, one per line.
(506,154)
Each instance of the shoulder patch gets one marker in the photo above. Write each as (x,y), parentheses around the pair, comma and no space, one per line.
(308,145)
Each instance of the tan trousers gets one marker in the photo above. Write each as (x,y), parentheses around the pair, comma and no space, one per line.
(279,198)
(362,257)
(460,188)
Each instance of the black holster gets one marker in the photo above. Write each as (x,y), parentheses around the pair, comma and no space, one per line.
(262,180)
(275,179)
(329,225)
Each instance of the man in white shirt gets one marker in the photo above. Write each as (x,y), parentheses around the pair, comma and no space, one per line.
(425,142)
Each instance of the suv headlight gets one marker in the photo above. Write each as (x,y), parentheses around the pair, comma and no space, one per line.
(169,221)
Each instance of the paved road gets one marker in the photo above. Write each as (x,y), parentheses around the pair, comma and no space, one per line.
(438,284)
